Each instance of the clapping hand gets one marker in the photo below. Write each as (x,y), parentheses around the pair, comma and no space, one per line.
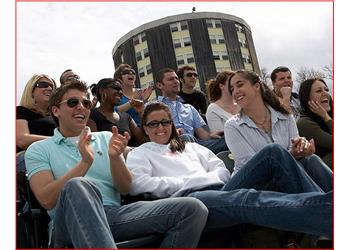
(117,143)
(146,93)
(301,147)
(85,149)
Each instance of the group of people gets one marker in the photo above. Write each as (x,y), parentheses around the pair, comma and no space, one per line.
(85,147)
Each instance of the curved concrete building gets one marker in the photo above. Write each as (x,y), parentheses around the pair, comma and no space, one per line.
(209,41)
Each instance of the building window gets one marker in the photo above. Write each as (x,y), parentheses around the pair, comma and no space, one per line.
(187,41)
(178,26)
(221,39)
(190,58)
(209,23)
(213,23)
(220,55)
(224,55)
(177,43)
(212,39)
(184,25)
(239,28)
(141,72)
(143,37)
(135,40)
(145,53)
(148,69)
(180,60)
(243,43)
(216,55)
(138,56)
(173,27)
(246,58)
(217,23)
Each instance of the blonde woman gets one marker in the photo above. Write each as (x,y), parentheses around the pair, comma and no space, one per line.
(33,120)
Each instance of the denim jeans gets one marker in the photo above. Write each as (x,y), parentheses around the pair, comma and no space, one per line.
(215,145)
(315,167)
(81,220)
(300,205)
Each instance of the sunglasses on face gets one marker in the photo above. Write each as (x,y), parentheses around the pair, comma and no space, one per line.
(128,72)
(73,102)
(43,85)
(115,87)
(155,124)
(192,74)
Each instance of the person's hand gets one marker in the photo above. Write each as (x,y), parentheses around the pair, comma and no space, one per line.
(180,131)
(85,149)
(316,107)
(137,105)
(216,134)
(301,147)
(117,143)
(286,92)
(146,93)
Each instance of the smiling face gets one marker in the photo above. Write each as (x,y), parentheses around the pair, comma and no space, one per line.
(190,79)
(42,91)
(243,91)
(320,93)
(159,134)
(72,119)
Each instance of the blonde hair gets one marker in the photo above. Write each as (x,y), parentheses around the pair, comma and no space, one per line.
(27,99)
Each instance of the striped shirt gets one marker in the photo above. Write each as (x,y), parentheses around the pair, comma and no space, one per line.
(245,139)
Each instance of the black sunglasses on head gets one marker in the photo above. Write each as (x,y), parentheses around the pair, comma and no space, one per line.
(115,87)
(192,74)
(128,72)
(43,85)
(73,102)
(155,124)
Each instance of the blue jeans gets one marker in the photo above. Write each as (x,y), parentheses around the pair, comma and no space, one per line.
(215,145)
(300,205)
(82,221)
(315,167)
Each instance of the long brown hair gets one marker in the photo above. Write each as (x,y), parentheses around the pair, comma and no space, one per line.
(213,88)
(176,144)
(268,96)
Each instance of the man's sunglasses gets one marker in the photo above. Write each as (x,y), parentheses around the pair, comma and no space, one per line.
(73,102)
(43,85)
(128,72)
(155,124)
(192,74)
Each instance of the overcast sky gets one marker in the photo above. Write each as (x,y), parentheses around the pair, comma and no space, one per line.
(52,37)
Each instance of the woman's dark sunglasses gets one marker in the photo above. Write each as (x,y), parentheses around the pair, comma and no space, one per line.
(128,72)
(43,85)
(115,87)
(72,102)
(155,124)
(192,74)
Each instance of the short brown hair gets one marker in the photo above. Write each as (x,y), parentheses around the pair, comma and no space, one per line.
(58,94)
(160,74)
(180,72)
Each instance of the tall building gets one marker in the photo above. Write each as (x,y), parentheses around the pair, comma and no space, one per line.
(209,41)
